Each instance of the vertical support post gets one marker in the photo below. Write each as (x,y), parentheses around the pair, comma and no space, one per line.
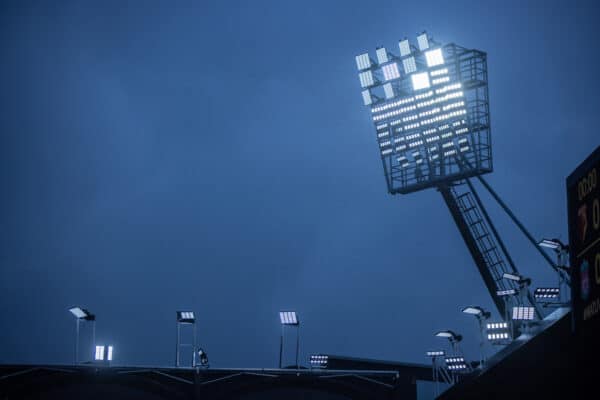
(177,346)
(281,346)
(76,341)
(194,348)
(297,343)
(481,342)
(94,334)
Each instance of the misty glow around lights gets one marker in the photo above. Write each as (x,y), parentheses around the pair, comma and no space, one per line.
(426,92)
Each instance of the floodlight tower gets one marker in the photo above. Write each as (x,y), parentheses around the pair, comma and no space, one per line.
(430,108)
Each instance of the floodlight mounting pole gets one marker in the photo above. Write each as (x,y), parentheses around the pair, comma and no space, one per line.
(281,346)
(77,341)
(297,343)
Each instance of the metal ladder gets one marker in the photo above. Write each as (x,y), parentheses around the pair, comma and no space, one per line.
(485,245)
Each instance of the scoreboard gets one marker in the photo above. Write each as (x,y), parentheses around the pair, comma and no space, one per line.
(583,203)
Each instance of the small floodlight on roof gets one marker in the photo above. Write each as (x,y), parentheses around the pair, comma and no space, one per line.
(103,353)
(420,81)
(82,313)
(477,311)
(319,361)
(456,364)
(390,71)
(410,65)
(523,313)
(434,57)
(546,293)
(498,332)
(366,79)
(382,56)
(450,335)
(423,41)
(99,356)
(436,353)
(388,90)
(507,292)
(186,317)
(288,318)
(363,61)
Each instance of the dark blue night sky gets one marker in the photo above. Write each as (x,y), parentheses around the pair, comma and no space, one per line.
(216,156)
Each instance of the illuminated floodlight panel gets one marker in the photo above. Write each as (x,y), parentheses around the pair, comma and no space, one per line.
(523,313)
(404,47)
(381,55)
(388,90)
(410,65)
(99,355)
(429,105)
(367,99)
(434,57)
(288,318)
(363,61)
(423,41)
(420,81)
(366,79)
(390,71)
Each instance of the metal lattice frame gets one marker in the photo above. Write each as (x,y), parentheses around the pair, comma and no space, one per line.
(399,141)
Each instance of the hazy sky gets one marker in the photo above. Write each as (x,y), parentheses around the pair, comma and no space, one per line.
(216,156)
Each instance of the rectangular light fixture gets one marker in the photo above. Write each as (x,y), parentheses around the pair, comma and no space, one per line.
(388,90)
(186,317)
(99,356)
(434,57)
(512,277)
(319,360)
(423,41)
(390,71)
(109,356)
(497,325)
(78,312)
(507,292)
(472,310)
(546,293)
(404,47)
(437,353)
(288,318)
(498,336)
(420,81)
(363,61)
(366,79)
(367,99)
(382,56)
(553,244)
(523,313)
(410,65)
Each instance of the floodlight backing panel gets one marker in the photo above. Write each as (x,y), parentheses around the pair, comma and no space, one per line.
(426,140)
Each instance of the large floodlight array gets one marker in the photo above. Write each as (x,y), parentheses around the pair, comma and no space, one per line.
(429,105)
